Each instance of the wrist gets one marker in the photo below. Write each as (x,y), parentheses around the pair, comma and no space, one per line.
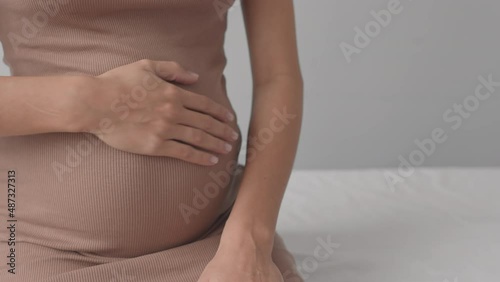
(248,236)
(86,117)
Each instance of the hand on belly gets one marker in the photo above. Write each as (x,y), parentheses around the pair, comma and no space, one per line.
(140,108)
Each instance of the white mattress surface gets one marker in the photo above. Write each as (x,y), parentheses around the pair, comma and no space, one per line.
(438,225)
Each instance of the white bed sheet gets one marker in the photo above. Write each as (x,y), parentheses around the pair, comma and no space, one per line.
(439,225)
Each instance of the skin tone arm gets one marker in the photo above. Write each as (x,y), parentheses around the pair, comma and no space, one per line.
(167,121)
(32,105)
(244,253)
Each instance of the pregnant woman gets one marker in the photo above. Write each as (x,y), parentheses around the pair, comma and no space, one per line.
(119,146)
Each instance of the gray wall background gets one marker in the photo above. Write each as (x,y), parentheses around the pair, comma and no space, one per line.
(369,112)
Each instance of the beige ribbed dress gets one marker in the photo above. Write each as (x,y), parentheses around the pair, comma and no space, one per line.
(85,211)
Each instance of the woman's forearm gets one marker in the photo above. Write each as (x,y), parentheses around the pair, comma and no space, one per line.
(33,105)
(273,140)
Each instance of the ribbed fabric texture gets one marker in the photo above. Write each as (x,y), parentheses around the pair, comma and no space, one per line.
(86,211)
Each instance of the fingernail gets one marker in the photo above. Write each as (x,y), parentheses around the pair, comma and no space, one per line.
(228,147)
(234,135)
(214,159)
(230,116)
(193,74)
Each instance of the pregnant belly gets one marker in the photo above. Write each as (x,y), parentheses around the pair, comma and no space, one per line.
(76,193)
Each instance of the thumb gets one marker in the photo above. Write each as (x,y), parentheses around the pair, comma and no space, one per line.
(174,72)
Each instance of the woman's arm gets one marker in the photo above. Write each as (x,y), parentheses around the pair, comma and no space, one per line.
(276,108)
(137,108)
(273,135)
(32,105)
